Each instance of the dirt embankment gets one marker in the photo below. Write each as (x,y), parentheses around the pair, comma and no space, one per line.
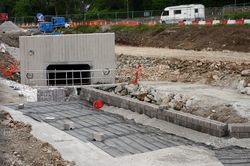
(20,148)
(234,38)
(219,73)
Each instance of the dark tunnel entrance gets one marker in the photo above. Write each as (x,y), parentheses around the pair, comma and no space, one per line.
(68,74)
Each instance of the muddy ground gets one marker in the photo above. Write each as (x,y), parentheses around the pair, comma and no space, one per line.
(234,38)
(20,148)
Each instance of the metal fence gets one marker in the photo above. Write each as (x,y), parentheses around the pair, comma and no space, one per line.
(237,8)
(149,15)
(75,78)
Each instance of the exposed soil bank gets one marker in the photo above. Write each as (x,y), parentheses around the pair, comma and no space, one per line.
(216,38)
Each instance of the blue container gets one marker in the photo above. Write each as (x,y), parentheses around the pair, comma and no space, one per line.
(58,21)
(45,27)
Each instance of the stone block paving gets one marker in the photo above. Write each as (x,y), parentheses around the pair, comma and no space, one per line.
(122,137)
(233,155)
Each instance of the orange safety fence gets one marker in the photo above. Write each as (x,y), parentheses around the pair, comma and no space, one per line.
(9,71)
(97,23)
(105,22)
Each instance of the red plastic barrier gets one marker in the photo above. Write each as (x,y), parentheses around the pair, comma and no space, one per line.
(181,22)
(209,22)
(4,16)
(240,21)
(194,22)
(223,21)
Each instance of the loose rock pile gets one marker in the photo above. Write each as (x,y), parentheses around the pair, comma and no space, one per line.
(6,119)
(150,95)
(244,85)
(202,106)
(218,73)
(10,27)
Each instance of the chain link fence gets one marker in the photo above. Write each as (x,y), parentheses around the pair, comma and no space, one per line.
(142,16)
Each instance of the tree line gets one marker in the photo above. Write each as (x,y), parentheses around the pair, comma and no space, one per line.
(21,8)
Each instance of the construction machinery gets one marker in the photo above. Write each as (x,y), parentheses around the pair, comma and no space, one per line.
(54,24)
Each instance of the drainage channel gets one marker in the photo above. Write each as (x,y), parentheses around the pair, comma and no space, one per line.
(122,137)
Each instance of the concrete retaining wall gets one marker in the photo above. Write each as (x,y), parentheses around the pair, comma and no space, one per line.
(180,118)
(52,94)
(56,94)
(240,130)
(38,52)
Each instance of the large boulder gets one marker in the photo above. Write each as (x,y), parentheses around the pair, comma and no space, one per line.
(241,86)
(247,89)
(245,72)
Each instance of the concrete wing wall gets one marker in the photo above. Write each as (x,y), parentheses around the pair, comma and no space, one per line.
(37,52)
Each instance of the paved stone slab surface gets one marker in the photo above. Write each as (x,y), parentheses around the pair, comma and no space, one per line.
(233,155)
(122,137)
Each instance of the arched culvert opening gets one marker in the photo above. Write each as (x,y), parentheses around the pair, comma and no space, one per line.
(66,74)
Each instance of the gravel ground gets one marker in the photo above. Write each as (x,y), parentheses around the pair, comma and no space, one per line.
(213,56)
(159,64)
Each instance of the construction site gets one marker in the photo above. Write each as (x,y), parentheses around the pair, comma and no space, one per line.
(137,96)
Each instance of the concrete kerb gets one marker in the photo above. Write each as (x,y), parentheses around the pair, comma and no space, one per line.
(187,120)
(239,130)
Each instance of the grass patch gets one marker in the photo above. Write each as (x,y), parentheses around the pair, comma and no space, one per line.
(82,29)
(139,28)
(87,29)
(237,15)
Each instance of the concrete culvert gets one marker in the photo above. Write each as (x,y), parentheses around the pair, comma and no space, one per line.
(68,78)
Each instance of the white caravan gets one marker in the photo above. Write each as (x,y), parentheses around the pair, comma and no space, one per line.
(191,12)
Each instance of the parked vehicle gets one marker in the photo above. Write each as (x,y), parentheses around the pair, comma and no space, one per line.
(190,12)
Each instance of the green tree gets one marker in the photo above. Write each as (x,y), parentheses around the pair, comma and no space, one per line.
(23,8)
(161,4)
(7,6)
(61,7)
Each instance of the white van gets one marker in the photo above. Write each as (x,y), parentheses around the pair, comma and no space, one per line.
(191,12)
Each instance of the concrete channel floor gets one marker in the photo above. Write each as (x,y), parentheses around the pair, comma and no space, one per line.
(126,143)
